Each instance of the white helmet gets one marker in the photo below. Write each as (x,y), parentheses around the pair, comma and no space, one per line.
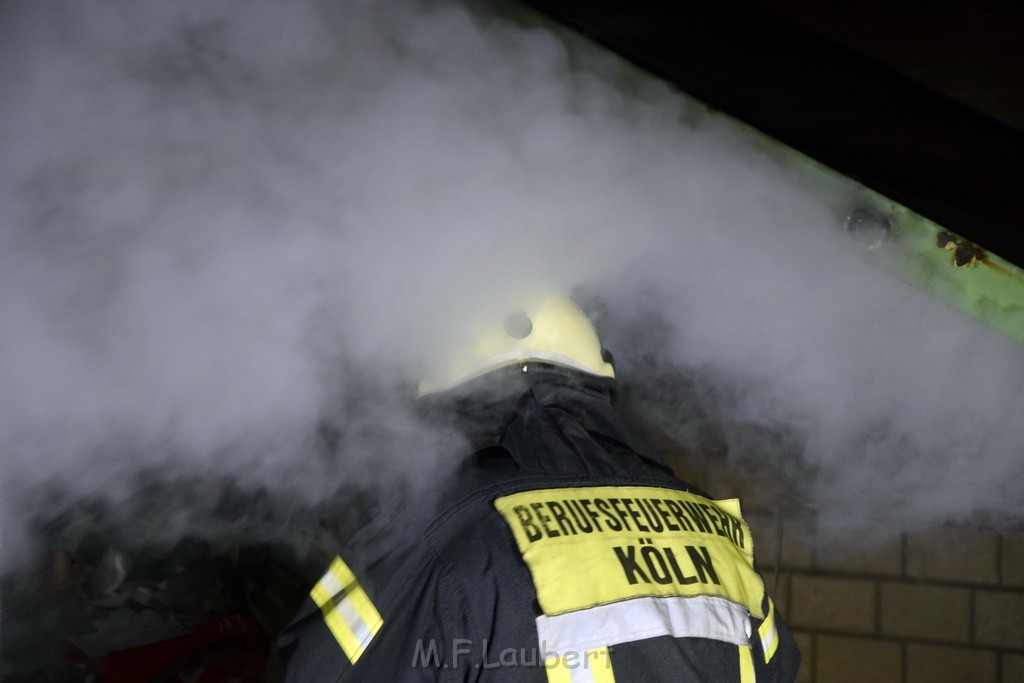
(550,330)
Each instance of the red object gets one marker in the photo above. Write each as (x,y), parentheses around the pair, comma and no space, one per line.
(229,648)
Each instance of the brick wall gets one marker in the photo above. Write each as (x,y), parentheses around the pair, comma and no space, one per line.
(945,604)
(936,606)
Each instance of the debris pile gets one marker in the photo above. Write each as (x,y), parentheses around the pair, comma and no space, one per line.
(189,579)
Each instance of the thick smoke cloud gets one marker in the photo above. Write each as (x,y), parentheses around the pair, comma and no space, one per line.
(223,222)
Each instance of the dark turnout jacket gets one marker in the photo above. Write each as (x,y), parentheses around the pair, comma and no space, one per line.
(562,554)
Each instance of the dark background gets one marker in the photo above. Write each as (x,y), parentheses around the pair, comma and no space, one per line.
(923,102)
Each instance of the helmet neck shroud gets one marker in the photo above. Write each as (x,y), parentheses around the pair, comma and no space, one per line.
(484,407)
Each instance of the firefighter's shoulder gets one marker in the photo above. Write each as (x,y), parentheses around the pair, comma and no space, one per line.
(357,599)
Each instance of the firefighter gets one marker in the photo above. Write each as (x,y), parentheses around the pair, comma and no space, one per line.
(560,550)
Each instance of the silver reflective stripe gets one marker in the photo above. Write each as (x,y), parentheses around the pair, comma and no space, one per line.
(360,629)
(769,633)
(768,642)
(640,618)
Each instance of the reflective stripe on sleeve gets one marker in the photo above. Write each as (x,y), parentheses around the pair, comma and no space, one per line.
(769,634)
(347,610)
(746,665)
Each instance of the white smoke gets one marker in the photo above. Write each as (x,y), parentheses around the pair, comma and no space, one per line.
(221,221)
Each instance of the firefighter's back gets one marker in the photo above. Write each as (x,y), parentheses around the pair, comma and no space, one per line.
(564,553)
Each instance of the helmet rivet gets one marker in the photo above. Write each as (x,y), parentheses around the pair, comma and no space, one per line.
(518,325)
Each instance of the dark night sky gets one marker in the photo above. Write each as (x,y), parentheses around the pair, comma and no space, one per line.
(915,100)
(970,51)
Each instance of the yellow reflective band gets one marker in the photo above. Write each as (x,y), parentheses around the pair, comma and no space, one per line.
(558,670)
(601,665)
(746,665)
(591,666)
(367,612)
(342,632)
(634,541)
(769,634)
(347,610)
